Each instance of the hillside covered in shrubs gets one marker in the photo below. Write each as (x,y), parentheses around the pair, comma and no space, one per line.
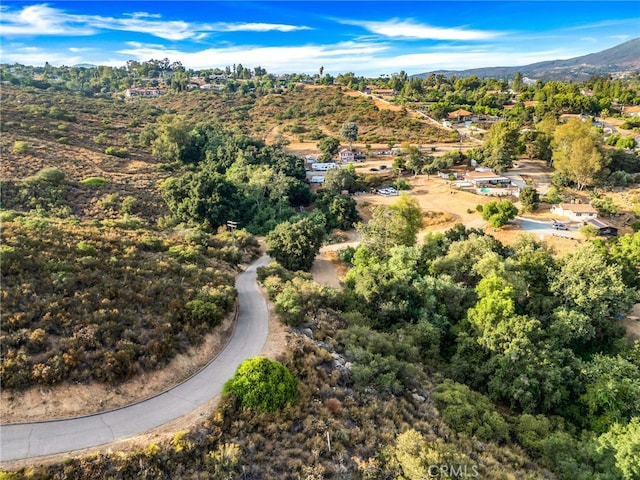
(106,301)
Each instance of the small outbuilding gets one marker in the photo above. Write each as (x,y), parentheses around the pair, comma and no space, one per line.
(605,229)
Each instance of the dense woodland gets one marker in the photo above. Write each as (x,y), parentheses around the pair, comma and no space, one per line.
(506,360)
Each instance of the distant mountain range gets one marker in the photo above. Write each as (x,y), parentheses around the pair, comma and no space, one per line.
(623,58)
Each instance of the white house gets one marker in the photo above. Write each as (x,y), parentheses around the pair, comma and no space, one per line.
(487,179)
(142,92)
(575,211)
(347,155)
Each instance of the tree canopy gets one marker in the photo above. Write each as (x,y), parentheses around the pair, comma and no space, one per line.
(576,152)
(499,213)
(349,132)
(295,244)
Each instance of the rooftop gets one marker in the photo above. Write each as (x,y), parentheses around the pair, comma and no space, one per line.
(578,207)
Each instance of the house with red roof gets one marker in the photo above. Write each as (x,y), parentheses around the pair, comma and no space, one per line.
(460,115)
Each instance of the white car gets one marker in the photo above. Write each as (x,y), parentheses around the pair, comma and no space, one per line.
(388,192)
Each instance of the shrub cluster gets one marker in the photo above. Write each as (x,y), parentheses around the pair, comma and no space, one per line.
(83,302)
(117,152)
(262,384)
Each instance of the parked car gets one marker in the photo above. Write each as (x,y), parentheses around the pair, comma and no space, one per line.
(388,192)
(382,167)
(560,226)
(373,169)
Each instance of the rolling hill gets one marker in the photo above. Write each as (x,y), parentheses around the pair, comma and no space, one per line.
(623,58)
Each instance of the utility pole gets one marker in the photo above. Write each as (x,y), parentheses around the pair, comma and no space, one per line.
(232,226)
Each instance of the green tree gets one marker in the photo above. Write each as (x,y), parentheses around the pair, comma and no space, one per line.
(204,197)
(500,213)
(530,199)
(624,440)
(469,412)
(612,391)
(605,206)
(576,152)
(625,252)
(588,283)
(339,210)
(262,384)
(390,286)
(398,165)
(349,132)
(501,146)
(171,137)
(295,244)
(343,212)
(339,179)
(397,224)
(415,161)
(300,301)
(537,145)
(517,84)
(329,147)
(534,378)
(410,212)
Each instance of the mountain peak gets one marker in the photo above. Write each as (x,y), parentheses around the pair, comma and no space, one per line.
(618,60)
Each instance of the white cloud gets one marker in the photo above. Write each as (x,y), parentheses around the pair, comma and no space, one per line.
(397,28)
(169,30)
(287,59)
(362,58)
(257,27)
(41,20)
(620,38)
(368,59)
(37,20)
(143,15)
(27,55)
(465,59)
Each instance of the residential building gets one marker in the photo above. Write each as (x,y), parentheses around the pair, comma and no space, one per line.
(347,155)
(487,179)
(575,211)
(460,115)
(143,92)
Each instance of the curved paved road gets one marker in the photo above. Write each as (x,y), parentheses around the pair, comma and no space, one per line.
(26,440)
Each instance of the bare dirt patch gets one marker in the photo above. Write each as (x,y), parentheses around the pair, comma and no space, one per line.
(435,195)
(324,270)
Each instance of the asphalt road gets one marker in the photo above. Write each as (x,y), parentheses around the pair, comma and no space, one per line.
(544,228)
(26,440)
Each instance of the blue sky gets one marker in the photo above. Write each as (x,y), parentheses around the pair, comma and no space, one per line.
(364,37)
